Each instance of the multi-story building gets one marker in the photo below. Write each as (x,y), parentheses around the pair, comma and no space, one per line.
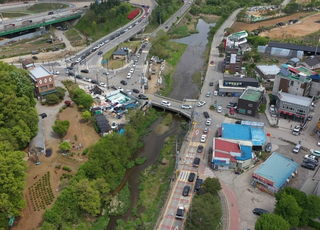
(250,100)
(42,79)
(233,61)
(234,86)
(293,80)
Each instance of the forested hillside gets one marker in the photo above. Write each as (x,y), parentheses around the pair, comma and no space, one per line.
(18,124)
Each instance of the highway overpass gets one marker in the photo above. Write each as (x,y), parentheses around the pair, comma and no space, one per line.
(34,25)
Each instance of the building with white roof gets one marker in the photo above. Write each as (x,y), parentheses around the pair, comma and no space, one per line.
(42,79)
(267,71)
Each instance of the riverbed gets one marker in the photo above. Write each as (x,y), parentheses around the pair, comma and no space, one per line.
(153,143)
(191,61)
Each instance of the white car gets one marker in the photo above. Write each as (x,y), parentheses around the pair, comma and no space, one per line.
(131,70)
(165,103)
(138,55)
(318,143)
(114,125)
(201,103)
(186,107)
(128,91)
(219,110)
(203,138)
(129,75)
(103,84)
(106,73)
(120,88)
(208,122)
(130,27)
(215,93)
(106,41)
(55,72)
(134,65)
(19,19)
(312,157)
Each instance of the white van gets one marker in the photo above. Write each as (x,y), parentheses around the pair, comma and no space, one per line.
(296,149)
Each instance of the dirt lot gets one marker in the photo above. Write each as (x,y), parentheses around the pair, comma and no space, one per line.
(31,219)
(307,26)
(239,26)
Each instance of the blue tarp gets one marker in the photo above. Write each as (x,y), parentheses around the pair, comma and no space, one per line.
(236,131)
(245,153)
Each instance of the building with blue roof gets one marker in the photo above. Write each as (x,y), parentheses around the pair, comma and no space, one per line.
(274,173)
(246,131)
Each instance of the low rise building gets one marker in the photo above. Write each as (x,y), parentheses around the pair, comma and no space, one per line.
(119,54)
(313,62)
(293,80)
(274,173)
(234,86)
(250,101)
(267,71)
(233,61)
(293,107)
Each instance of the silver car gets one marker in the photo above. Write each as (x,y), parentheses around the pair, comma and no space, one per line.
(186,106)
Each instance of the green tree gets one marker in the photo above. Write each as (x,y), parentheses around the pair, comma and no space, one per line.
(271,222)
(208,219)
(12,183)
(288,208)
(313,206)
(65,146)
(86,115)
(87,198)
(52,99)
(81,98)
(61,92)
(212,185)
(61,127)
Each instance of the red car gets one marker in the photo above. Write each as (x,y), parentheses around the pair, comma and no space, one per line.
(211,63)
(232,111)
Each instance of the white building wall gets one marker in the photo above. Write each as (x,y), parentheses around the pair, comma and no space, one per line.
(315,89)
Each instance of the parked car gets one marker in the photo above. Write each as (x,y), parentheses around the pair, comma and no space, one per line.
(123,82)
(310,161)
(200,149)
(135,91)
(308,166)
(259,211)
(34,57)
(201,103)
(84,71)
(296,149)
(205,130)
(203,138)
(79,76)
(103,84)
(43,115)
(219,109)
(268,147)
(208,94)
(143,97)
(232,105)
(114,125)
(186,190)
(211,83)
(232,111)
(94,81)
(106,73)
(206,114)
(191,177)
(311,157)
(165,103)
(208,122)
(128,75)
(196,162)
(186,106)
(131,70)
(316,153)
(309,117)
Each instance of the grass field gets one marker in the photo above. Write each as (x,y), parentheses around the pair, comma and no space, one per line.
(13,14)
(73,35)
(42,7)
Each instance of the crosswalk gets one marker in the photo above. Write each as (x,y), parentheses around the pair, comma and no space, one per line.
(184,175)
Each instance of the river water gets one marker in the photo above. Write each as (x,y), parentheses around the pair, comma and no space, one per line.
(191,61)
(153,143)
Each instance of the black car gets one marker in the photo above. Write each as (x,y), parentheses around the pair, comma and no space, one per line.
(309,117)
(186,190)
(100,52)
(70,68)
(259,211)
(143,97)
(79,76)
(123,82)
(34,57)
(211,84)
(180,212)
(143,46)
(308,166)
(268,147)
(71,74)
(84,71)
(310,161)
(136,91)
(232,105)
(191,177)
(206,114)
(198,184)
(238,122)
(43,115)
(200,149)
(94,81)
(196,162)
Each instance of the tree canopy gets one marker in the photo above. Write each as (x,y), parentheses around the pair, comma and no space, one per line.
(288,208)
(271,222)
(61,127)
